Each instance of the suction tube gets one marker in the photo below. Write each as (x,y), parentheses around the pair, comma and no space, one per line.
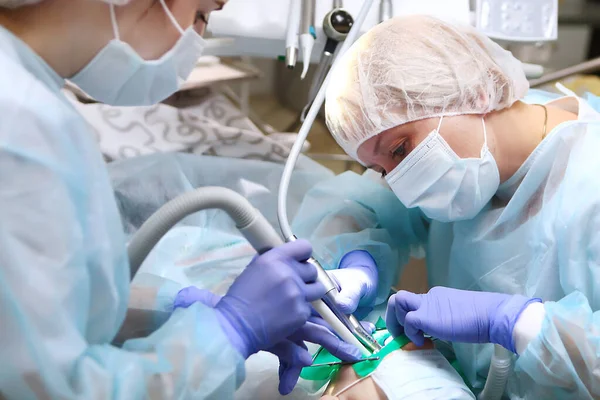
(251,223)
(500,367)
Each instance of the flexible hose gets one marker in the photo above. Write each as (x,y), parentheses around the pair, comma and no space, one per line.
(284,223)
(500,368)
(237,206)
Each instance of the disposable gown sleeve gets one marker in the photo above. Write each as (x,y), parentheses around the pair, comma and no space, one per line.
(63,293)
(563,360)
(150,305)
(353,212)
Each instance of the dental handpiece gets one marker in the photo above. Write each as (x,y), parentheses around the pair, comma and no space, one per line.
(291,45)
(349,321)
(386,10)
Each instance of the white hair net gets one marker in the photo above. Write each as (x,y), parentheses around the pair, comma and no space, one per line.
(417,67)
(19,3)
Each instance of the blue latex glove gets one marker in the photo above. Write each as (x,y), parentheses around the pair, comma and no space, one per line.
(456,315)
(357,278)
(269,300)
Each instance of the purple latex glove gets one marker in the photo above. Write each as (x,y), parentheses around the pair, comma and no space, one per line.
(357,278)
(456,315)
(268,301)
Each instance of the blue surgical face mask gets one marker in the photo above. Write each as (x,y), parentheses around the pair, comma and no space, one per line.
(119,76)
(443,185)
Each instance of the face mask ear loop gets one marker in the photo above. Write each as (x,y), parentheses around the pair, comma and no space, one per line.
(440,124)
(113,20)
(171,17)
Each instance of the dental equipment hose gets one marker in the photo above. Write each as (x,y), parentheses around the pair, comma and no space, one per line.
(500,367)
(251,223)
(351,326)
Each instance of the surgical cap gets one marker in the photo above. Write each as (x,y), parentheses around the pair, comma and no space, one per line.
(417,67)
(19,3)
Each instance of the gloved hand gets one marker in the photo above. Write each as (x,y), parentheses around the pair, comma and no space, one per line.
(269,300)
(357,278)
(456,315)
(293,354)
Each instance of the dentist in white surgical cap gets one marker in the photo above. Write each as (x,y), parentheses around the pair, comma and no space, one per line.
(64,272)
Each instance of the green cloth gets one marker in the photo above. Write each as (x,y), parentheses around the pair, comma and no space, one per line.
(362,368)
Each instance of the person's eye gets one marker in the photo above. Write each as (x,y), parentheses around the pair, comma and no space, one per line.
(400,151)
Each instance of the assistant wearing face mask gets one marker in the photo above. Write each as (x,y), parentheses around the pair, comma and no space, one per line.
(443,185)
(64,270)
(119,76)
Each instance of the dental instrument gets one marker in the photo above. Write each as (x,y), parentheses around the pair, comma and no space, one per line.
(351,326)
(386,10)
(307,33)
(331,364)
(336,25)
(291,45)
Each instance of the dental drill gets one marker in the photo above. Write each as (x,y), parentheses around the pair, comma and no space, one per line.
(350,324)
